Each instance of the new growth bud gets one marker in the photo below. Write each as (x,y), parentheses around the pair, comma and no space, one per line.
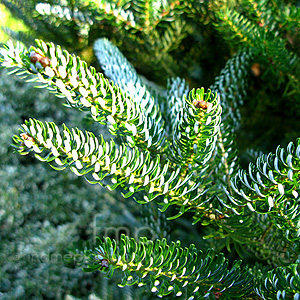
(201,104)
(34,57)
(37,58)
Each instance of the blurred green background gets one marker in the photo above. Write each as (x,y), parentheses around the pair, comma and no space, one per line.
(7,20)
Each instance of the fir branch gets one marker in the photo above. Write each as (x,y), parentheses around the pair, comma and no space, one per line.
(269,248)
(174,102)
(129,169)
(270,186)
(137,16)
(85,89)
(196,130)
(280,283)
(84,153)
(262,41)
(230,85)
(170,268)
(68,76)
(122,73)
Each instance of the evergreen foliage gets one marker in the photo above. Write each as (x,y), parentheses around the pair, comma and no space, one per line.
(177,151)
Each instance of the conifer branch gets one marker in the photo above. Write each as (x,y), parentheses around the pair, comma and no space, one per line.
(170,268)
(68,76)
(262,41)
(129,169)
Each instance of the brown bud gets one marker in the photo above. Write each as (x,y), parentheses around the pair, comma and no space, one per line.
(34,57)
(104,263)
(45,61)
(219,217)
(217,294)
(27,137)
(255,69)
(201,104)
(38,58)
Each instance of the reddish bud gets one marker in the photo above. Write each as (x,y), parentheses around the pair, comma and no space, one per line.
(38,58)
(255,69)
(201,104)
(27,137)
(34,56)
(45,61)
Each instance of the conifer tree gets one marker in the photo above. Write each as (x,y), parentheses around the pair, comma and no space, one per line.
(176,148)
